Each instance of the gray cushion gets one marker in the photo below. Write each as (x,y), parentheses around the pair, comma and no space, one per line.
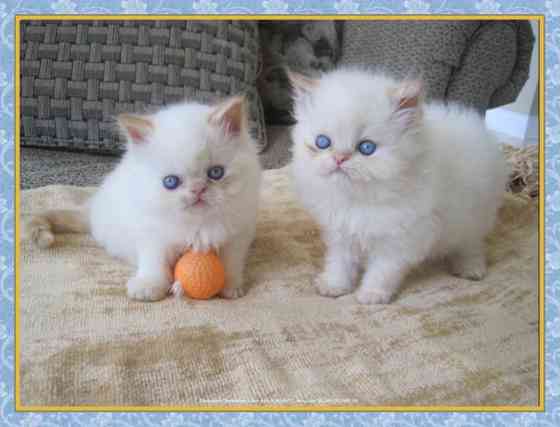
(482,64)
(77,75)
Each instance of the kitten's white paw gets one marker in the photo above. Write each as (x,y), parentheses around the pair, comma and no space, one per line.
(142,289)
(470,268)
(233,292)
(364,296)
(328,289)
(176,290)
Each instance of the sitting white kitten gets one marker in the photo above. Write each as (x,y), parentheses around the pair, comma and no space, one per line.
(391,180)
(190,179)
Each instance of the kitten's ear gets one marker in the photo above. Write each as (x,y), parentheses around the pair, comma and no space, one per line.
(231,114)
(136,127)
(301,84)
(407,99)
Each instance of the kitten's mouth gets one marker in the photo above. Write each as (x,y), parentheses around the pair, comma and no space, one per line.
(199,202)
(338,171)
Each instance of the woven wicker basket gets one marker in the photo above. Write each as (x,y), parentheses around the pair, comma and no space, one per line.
(76,76)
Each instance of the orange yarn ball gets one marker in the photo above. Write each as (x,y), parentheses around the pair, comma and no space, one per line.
(201,275)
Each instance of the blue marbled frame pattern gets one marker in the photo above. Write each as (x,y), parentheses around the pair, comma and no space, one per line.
(550,8)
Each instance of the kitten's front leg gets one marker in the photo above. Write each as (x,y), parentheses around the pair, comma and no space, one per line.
(391,261)
(341,267)
(153,277)
(234,257)
(382,278)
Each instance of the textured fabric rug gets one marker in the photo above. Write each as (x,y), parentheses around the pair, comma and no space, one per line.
(443,341)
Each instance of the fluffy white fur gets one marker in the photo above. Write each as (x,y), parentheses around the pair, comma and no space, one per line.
(431,189)
(135,218)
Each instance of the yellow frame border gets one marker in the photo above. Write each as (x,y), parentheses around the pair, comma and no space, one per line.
(283,408)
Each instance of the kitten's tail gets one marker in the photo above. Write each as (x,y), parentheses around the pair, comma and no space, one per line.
(41,228)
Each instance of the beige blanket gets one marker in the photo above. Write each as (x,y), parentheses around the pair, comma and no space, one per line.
(444,341)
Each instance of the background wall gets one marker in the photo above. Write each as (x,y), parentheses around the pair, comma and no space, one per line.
(525,99)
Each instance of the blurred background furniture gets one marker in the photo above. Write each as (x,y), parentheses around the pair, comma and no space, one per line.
(308,47)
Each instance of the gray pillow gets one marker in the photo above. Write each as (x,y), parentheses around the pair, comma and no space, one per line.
(77,75)
(482,64)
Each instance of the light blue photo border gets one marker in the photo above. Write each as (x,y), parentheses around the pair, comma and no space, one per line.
(550,8)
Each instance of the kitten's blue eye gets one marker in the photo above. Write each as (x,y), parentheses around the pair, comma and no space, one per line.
(216,172)
(171,182)
(367,147)
(322,142)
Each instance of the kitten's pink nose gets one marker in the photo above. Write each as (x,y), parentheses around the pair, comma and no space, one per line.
(340,158)
(198,189)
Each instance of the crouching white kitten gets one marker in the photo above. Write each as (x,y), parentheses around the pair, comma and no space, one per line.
(392,180)
(189,180)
